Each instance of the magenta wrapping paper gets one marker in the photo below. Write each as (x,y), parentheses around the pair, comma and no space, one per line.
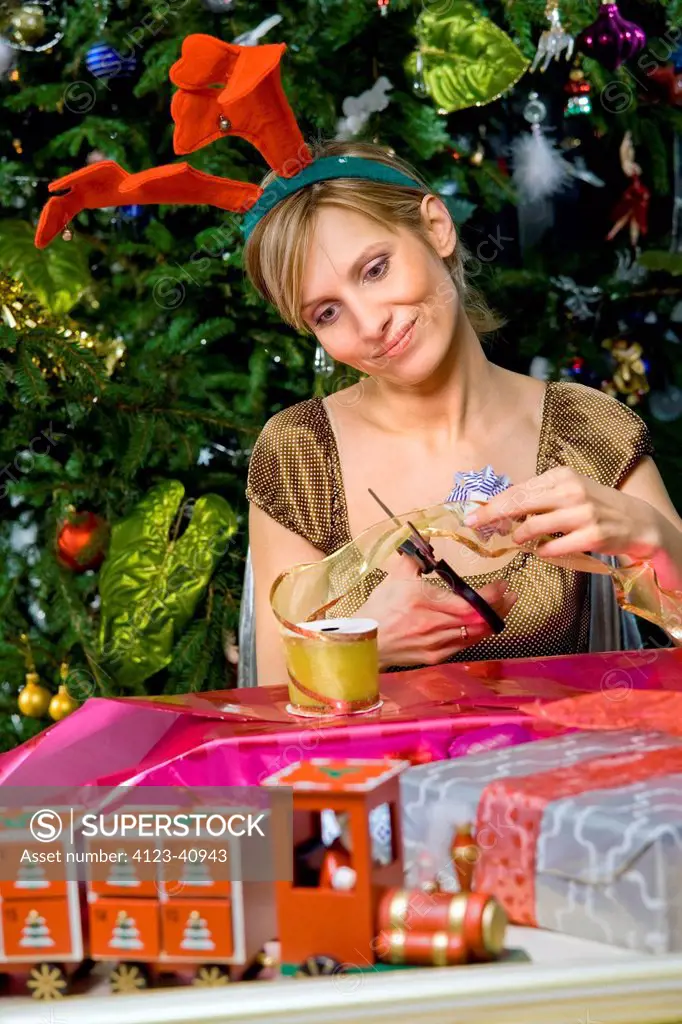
(237,737)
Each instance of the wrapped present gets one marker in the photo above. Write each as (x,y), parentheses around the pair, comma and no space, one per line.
(238,737)
(580,833)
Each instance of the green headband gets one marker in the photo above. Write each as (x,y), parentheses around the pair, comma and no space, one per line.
(324,169)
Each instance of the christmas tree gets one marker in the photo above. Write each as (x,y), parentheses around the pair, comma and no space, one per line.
(125,935)
(35,933)
(137,364)
(31,876)
(196,874)
(123,873)
(196,936)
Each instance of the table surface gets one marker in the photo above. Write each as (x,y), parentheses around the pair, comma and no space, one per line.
(568,979)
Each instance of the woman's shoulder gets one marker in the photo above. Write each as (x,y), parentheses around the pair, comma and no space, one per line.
(291,471)
(592,433)
(306,417)
(294,440)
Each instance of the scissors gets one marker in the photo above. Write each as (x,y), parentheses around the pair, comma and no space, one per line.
(422,552)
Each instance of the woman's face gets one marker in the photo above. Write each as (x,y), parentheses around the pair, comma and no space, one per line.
(381,301)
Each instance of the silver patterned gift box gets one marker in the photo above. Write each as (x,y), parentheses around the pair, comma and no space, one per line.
(606,862)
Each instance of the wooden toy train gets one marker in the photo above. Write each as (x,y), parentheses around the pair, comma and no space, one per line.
(344,909)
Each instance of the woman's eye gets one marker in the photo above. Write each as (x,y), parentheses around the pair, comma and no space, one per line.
(322,319)
(381,269)
(375,273)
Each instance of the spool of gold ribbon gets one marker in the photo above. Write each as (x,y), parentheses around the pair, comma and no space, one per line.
(333,667)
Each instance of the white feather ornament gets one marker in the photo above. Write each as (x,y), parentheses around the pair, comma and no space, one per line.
(540,170)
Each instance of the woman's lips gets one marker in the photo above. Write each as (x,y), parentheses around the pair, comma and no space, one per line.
(401,344)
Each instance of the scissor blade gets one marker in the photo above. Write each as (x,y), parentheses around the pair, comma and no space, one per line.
(385,507)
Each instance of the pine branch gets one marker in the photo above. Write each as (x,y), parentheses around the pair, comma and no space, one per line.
(158,59)
(160,237)
(183,415)
(29,380)
(84,633)
(118,138)
(141,439)
(48,96)
(80,363)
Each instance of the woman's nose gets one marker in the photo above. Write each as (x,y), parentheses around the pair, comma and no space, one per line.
(375,327)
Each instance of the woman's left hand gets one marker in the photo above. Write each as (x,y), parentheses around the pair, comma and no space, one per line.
(591,517)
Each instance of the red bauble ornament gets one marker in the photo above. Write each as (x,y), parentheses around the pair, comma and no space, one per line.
(669,81)
(611,39)
(82,541)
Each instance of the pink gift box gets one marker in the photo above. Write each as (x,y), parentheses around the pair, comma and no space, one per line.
(237,737)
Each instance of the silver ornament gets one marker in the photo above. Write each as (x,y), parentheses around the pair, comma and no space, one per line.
(323,363)
(419,84)
(554,41)
(6,57)
(540,368)
(535,110)
(666,406)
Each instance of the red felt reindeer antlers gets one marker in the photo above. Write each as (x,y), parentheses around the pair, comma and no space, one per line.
(224,89)
(250,102)
(107,184)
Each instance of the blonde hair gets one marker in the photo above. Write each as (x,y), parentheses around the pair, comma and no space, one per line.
(275,254)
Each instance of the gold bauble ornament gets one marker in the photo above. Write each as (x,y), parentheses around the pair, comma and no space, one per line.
(28,24)
(62,704)
(34,699)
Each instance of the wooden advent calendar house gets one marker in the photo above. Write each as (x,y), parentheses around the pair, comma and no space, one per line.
(43,931)
(185,916)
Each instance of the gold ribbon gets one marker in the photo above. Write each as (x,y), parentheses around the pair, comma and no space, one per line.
(343,580)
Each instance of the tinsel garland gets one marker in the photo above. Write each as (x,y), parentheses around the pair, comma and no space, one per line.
(23,314)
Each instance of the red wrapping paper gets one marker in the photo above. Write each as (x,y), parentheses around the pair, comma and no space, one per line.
(510,814)
(655,712)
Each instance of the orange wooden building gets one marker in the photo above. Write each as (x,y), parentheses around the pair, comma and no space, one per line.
(323,928)
(43,926)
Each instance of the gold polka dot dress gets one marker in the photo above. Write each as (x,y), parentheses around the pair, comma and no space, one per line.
(295,476)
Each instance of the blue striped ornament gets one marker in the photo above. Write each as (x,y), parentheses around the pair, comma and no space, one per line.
(104,62)
(131,212)
(676,58)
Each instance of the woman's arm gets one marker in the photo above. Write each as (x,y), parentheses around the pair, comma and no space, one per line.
(274,549)
(645,484)
(637,521)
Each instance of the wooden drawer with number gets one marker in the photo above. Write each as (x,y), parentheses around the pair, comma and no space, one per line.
(39,929)
(124,929)
(197,930)
(132,871)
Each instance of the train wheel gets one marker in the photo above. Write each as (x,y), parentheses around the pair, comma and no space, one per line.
(47,981)
(316,966)
(211,976)
(128,978)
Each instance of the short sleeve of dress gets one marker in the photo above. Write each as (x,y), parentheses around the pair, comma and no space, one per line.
(291,474)
(594,434)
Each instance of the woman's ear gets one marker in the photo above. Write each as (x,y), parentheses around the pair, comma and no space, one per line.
(439,226)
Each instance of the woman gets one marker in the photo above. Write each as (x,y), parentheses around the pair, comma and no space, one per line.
(376,273)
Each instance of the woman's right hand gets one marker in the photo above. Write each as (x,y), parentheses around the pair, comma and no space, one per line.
(420,622)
